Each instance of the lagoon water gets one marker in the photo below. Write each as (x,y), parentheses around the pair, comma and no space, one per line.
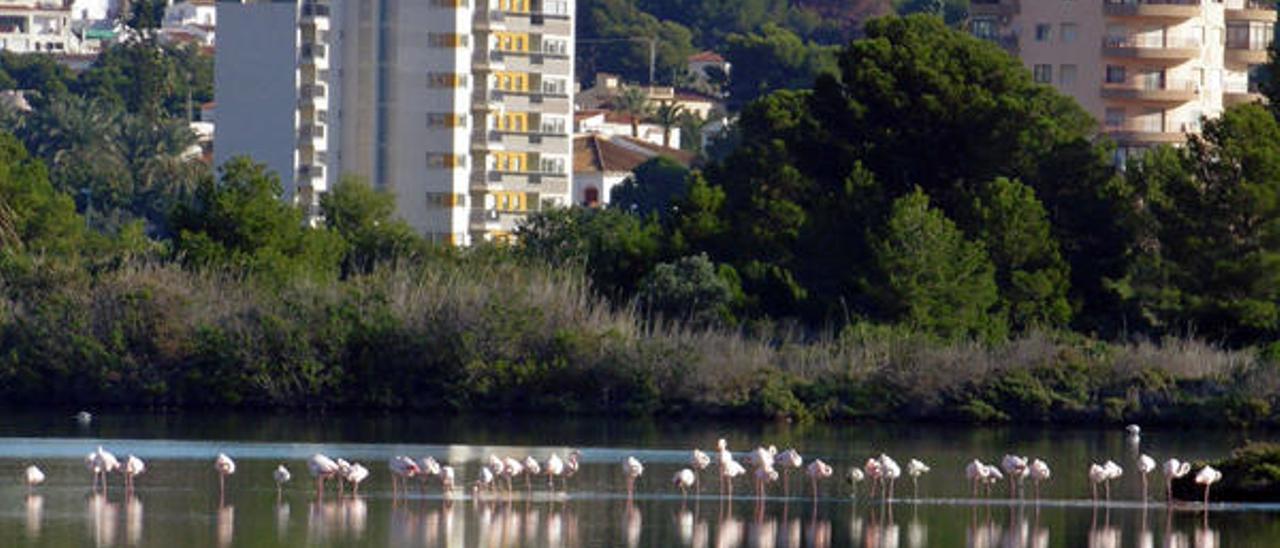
(176,501)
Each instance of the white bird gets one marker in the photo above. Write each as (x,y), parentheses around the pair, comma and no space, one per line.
(429,466)
(495,465)
(684,479)
(531,469)
(1133,430)
(571,466)
(993,477)
(1016,468)
(554,467)
(763,457)
(447,479)
(343,468)
(281,477)
(723,459)
(402,468)
(854,477)
(355,474)
(790,460)
(133,467)
(874,472)
(224,466)
(889,470)
(106,463)
(32,476)
(1146,465)
(1173,469)
(764,475)
(83,417)
(511,468)
(976,473)
(727,474)
(321,468)
(817,470)
(1039,473)
(631,469)
(915,469)
(485,481)
(699,461)
(1207,477)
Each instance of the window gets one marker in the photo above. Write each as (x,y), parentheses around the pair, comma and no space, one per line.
(555,86)
(1115,74)
(443,200)
(446,80)
(511,41)
(510,161)
(450,3)
(552,124)
(552,164)
(555,46)
(443,120)
(448,40)
(983,27)
(1067,75)
(1044,32)
(1115,117)
(446,161)
(1069,33)
(555,7)
(1044,73)
(511,81)
(1252,35)
(511,121)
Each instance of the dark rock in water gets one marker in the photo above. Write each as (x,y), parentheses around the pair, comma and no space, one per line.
(1250,474)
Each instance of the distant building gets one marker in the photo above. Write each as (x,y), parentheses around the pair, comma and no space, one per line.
(463,111)
(699,63)
(602,162)
(190,21)
(603,94)
(609,123)
(1148,70)
(31,26)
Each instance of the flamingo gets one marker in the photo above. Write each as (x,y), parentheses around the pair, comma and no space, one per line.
(1146,465)
(854,477)
(402,468)
(511,468)
(83,418)
(728,472)
(1097,474)
(553,468)
(724,458)
(571,466)
(321,468)
(763,457)
(976,473)
(344,468)
(764,475)
(106,464)
(224,466)
(874,472)
(1016,468)
(915,469)
(1113,472)
(699,461)
(92,464)
(133,467)
(890,471)
(531,469)
(684,479)
(817,470)
(1039,473)
(355,474)
(993,477)
(32,476)
(447,480)
(427,468)
(1135,432)
(631,469)
(790,460)
(281,477)
(485,481)
(1173,469)
(1207,477)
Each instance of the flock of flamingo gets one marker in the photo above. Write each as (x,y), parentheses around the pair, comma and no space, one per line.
(766,465)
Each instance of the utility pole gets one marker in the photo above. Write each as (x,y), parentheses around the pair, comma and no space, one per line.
(653,58)
(653,49)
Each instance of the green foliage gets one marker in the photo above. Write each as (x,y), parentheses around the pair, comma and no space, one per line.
(930,278)
(617,248)
(1250,474)
(689,290)
(633,102)
(616,36)
(652,188)
(36,217)
(364,218)
(771,60)
(241,222)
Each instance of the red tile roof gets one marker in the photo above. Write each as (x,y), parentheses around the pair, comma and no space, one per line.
(599,153)
(706,57)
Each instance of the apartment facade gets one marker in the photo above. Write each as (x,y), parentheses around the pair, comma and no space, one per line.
(462,111)
(1148,70)
(36,26)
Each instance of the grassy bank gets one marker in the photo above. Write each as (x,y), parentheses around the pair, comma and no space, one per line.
(498,335)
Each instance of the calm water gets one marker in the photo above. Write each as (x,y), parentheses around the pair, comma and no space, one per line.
(176,503)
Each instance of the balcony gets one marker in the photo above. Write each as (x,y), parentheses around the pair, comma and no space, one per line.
(1176,91)
(1152,9)
(1151,48)
(1003,8)
(1135,132)
(1239,92)
(1251,10)
(1246,52)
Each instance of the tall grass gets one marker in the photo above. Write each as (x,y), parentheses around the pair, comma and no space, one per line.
(494,334)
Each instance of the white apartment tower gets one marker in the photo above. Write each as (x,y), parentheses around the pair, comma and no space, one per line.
(1148,70)
(462,111)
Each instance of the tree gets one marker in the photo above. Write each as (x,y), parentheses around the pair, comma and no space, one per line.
(930,277)
(668,115)
(615,36)
(34,216)
(689,290)
(616,248)
(651,188)
(241,223)
(771,60)
(366,219)
(634,102)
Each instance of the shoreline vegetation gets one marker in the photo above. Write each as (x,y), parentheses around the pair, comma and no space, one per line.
(488,334)
(914,238)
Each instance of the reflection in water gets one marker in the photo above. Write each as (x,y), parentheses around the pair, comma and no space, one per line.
(633,525)
(226,524)
(729,534)
(282,520)
(917,534)
(102,517)
(347,518)
(684,525)
(764,533)
(35,514)
(133,521)
(1206,538)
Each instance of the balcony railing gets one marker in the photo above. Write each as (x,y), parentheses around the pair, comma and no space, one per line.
(1176,91)
(1150,42)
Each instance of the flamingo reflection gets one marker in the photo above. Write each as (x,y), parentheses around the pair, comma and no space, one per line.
(35,515)
(133,520)
(102,516)
(226,525)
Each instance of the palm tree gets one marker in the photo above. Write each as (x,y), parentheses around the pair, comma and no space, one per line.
(633,102)
(668,115)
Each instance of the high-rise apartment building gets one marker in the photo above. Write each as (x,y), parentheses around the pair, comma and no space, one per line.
(462,111)
(1148,70)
